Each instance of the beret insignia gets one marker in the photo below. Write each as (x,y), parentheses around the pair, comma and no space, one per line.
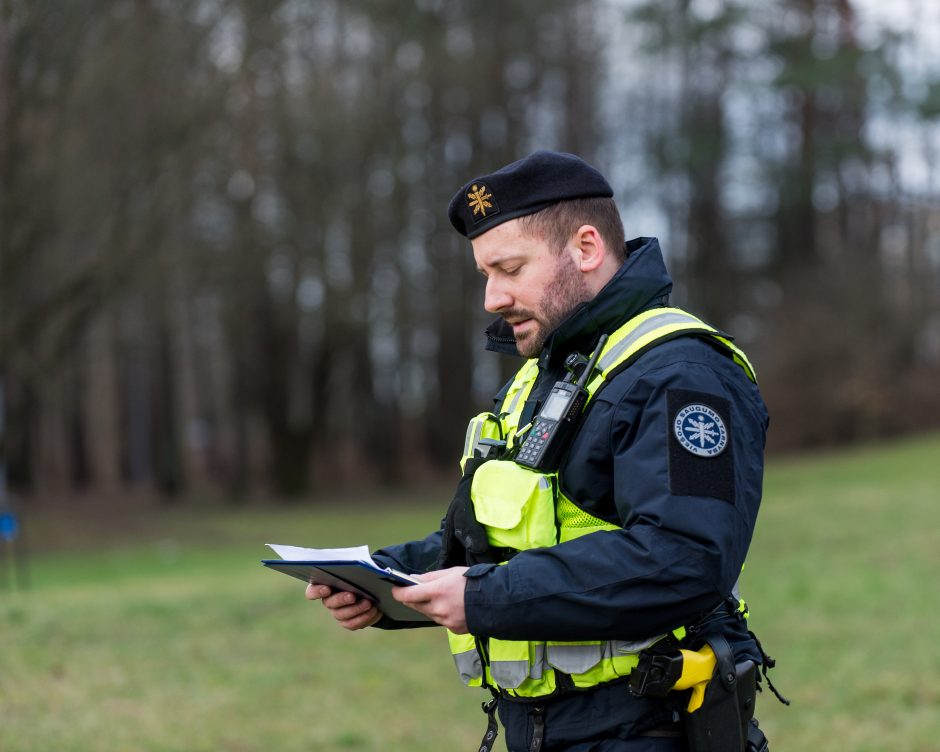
(479,200)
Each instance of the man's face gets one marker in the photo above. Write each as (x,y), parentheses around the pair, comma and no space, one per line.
(532,286)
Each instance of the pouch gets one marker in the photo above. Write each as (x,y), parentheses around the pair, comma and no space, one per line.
(515,504)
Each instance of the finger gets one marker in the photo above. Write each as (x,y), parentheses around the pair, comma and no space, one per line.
(347,613)
(367,619)
(316,592)
(424,602)
(340,598)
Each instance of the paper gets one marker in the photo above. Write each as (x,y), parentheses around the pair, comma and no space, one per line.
(350,569)
(297,553)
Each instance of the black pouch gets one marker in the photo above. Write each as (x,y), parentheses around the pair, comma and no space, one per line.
(464,542)
(723,722)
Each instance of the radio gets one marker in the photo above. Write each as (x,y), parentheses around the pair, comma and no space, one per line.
(556,422)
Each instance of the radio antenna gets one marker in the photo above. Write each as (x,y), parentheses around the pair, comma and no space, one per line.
(589,368)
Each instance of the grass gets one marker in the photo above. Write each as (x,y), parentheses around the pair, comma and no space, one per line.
(158,630)
(843,581)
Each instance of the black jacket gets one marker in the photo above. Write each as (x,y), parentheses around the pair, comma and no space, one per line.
(686,520)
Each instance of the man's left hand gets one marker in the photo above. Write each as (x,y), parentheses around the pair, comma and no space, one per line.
(440,596)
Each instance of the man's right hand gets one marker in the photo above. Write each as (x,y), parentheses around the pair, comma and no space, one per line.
(351,611)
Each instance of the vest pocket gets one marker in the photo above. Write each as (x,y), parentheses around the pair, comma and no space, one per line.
(514,661)
(516,505)
(574,657)
(466,658)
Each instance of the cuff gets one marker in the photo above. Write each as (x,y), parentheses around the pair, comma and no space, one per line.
(478,614)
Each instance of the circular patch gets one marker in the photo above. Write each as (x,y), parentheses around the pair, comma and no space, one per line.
(700,430)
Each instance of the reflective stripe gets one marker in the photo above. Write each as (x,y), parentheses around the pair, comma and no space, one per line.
(538,664)
(740,358)
(623,647)
(469,666)
(466,657)
(659,321)
(524,388)
(575,658)
(510,408)
(509,674)
(510,661)
(484,426)
(474,432)
(526,668)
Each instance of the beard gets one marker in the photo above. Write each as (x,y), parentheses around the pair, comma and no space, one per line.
(566,290)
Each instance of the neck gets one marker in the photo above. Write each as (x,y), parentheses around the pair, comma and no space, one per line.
(599,277)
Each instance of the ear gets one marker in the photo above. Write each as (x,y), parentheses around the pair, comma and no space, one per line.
(590,249)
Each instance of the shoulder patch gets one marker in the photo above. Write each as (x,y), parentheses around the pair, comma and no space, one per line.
(701,457)
(700,430)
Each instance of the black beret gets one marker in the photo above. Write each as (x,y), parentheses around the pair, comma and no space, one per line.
(524,187)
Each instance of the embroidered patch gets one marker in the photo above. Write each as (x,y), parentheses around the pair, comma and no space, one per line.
(701,456)
(700,430)
(481,202)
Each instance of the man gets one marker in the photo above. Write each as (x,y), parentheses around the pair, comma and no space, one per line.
(553,579)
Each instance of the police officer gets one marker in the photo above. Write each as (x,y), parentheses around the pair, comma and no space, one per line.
(553,581)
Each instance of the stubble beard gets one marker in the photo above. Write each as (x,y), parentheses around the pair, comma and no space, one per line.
(566,290)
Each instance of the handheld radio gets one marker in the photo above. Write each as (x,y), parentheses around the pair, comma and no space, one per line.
(555,423)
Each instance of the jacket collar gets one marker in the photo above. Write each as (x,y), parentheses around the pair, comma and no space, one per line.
(640,283)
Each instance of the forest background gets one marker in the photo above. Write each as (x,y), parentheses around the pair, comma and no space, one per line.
(226,269)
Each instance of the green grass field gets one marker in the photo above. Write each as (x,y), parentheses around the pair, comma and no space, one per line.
(160,631)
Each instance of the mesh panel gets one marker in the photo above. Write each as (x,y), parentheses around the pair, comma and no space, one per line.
(572,516)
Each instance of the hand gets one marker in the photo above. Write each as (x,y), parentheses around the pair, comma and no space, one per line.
(440,596)
(350,610)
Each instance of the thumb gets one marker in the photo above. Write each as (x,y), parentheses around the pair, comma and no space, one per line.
(316,592)
(409,594)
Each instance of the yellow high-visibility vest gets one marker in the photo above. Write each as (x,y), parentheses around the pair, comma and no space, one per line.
(522,509)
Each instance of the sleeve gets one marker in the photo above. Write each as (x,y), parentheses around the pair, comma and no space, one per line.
(414,557)
(688,514)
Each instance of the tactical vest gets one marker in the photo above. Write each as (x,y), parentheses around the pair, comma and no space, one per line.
(522,509)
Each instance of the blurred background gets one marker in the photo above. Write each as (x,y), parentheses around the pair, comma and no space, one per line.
(225,262)
(233,311)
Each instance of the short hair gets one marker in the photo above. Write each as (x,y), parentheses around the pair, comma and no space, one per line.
(558,222)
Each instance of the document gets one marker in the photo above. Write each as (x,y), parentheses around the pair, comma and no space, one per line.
(349,569)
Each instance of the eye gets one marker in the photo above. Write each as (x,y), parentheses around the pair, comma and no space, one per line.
(513,271)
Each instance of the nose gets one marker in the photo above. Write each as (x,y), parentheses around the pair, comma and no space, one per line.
(497,298)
